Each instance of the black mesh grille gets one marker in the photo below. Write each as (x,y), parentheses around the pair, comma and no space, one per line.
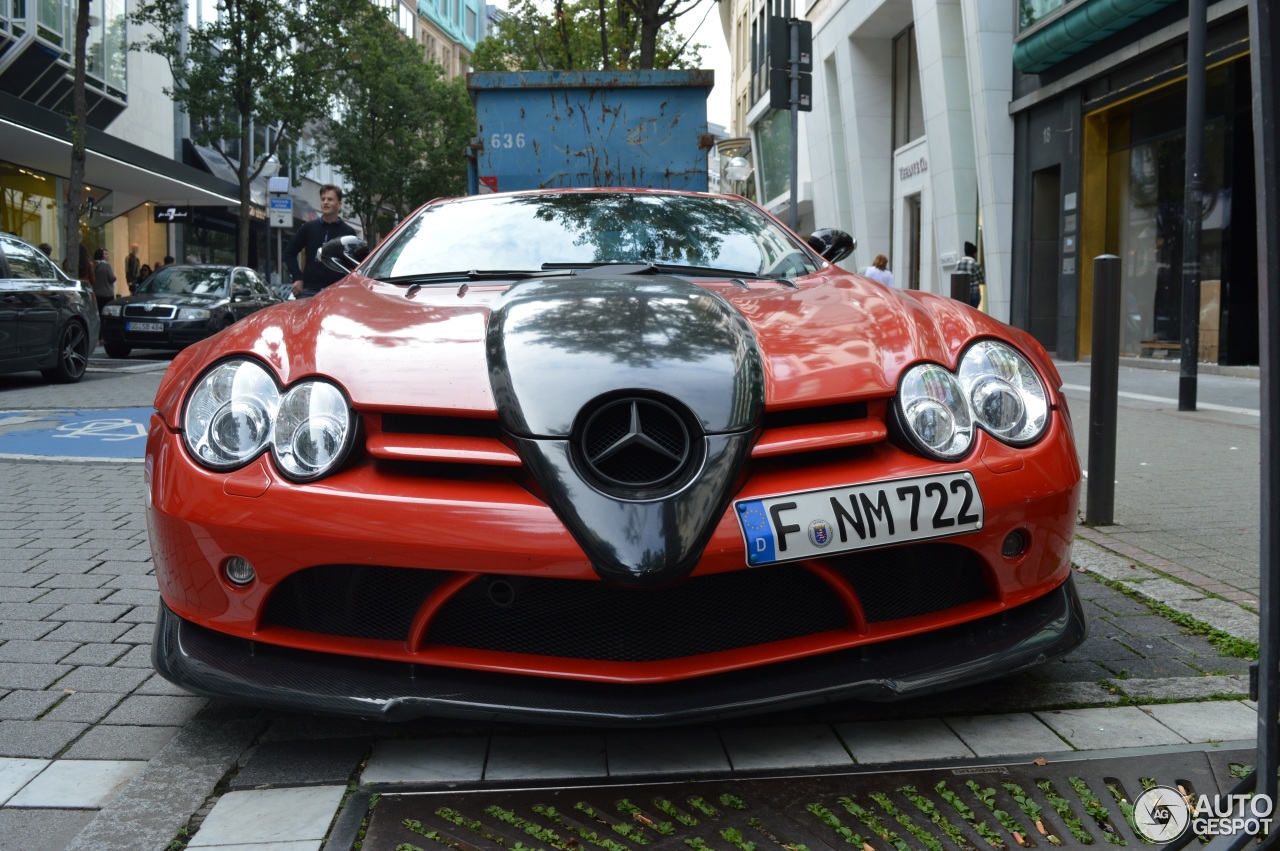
(915,580)
(591,620)
(357,601)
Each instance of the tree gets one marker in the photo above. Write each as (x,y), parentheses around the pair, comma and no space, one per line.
(400,131)
(583,35)
(261,62)
(79,120)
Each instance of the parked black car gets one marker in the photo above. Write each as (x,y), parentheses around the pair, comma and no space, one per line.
(48,321)
(179,305)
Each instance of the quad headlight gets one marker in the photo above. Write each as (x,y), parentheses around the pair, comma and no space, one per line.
(236,412)
(994,388)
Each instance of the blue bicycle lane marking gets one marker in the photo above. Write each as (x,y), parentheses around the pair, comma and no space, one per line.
(110,434)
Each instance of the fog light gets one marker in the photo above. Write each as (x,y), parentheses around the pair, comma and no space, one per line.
(1015,544)
(238,571)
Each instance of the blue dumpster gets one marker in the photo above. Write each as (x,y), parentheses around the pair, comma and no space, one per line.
(554,129)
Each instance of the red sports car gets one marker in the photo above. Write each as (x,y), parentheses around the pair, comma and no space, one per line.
(608,456)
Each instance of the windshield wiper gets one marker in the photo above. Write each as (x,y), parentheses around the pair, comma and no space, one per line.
(654,268)
(470,275)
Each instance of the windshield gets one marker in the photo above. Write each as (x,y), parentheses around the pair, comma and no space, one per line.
(186,280)
(533,232)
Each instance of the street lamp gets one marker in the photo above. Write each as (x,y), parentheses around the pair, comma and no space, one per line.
(737,170)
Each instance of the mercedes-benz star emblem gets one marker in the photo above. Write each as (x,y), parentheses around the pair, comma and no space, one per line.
(636,443)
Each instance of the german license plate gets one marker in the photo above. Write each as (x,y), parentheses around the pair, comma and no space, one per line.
(817,523)
(144,326)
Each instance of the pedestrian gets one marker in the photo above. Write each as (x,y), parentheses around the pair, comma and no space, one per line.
(104,279)
(879,270)
(977,278)
(144,272)
(315,233)
(47,249)
(132,264)
(168,261)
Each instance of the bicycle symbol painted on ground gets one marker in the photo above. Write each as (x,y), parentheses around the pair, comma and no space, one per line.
(113,430)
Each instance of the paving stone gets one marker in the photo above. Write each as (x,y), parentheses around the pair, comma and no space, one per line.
(43,738)
(74,580)
(27,705)
(145,615)
(56,828)
(140,633)
(16,773)
(752,748)
(134,597)
(901,741)
(89,633)
(1004,735)
(544,757)
(1101,647)
(1219,721)
(1146,626)
(90,707)
(116,680)
(156,684)
(668,752)
(89,613)
(156,710)
(95,654)
(35,651)
(1149,668)
(138,656)
(108,742)
(18,580)
(1225,616)
(77,596)
(1166,590)
(27,611)
(1099,728)
(11,594)
(426,761)
(269,815)
(30,676)
(25,630)
(301,763)
(78,784)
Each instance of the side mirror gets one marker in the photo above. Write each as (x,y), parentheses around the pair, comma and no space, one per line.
(834,245)
(344,253)
(241,293)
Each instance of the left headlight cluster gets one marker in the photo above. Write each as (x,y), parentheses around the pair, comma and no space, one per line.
(994,388)
(236,411)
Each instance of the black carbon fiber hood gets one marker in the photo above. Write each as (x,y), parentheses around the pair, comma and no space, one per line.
(559,349)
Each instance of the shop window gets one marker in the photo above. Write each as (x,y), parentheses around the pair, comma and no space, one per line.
(908,113)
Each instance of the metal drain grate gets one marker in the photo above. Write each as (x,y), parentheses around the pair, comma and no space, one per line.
(1076,803)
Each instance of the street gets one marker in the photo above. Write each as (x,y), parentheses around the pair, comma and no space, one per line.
(97,752)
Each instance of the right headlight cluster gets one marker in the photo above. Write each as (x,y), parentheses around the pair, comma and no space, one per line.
(994,388)
(235,412)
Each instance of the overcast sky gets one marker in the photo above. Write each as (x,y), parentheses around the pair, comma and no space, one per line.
(704,22)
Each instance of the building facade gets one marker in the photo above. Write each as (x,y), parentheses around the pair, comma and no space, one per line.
(910,139)
(1100,169)
(448,31)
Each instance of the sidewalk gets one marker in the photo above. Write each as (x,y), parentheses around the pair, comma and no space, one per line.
(97,753)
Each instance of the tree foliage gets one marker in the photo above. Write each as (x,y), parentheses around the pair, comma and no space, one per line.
(400,129)
(261,61)
(588,35)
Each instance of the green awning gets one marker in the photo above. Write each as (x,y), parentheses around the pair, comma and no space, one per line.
(1077,29)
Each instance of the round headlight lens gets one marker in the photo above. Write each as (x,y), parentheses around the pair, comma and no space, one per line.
(934,411)
(313,430)
(229,413)
(1006,393)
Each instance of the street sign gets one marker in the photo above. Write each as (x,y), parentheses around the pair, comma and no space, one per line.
(281,211)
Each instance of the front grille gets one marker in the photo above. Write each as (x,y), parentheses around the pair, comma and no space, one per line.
(904,582)
(578,619)
(357,601)
(149,311)
(592,620)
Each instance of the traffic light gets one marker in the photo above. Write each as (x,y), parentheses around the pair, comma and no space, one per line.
(780,62)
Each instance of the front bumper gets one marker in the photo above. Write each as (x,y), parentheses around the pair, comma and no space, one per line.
(217,665)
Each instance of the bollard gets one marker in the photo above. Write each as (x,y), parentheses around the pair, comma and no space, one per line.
(1104,390)
(960,286)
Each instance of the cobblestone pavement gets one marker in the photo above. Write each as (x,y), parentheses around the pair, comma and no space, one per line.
(97,752)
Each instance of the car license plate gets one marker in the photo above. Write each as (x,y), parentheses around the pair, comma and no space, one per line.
(144,326)
(834,520)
